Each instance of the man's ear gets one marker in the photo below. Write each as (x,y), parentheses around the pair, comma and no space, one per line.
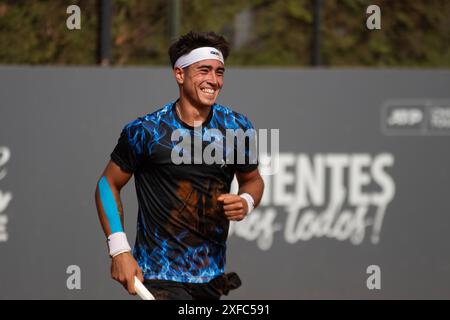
(179,75)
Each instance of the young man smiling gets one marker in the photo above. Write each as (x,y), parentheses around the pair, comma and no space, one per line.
(184,209)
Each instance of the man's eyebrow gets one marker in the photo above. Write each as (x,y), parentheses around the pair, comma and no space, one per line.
(209,67)
(204,66)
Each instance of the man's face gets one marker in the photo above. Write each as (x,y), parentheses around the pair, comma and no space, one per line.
(202,82)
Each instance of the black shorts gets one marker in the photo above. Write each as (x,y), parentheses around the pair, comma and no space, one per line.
(213,290)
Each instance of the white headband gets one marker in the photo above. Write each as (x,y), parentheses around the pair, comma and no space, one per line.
(198,54)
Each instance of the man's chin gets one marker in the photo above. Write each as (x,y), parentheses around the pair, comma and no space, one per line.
(207,102)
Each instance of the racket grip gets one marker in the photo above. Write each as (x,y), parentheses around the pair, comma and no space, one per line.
(142,291)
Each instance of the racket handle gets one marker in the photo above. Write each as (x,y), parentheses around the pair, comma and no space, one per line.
(142,291)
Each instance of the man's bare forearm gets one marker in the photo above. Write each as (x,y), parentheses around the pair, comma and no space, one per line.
(254,187)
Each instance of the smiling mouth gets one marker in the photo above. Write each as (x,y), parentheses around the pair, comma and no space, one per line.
(208,91)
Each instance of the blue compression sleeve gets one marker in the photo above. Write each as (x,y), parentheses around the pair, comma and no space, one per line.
(109,206)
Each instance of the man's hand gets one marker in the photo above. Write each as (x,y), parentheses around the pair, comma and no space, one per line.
(235,208)
(123,270)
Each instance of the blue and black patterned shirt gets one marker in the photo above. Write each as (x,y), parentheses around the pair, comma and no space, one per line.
(181,230)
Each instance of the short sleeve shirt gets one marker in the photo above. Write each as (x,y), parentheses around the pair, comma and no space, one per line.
(182,229)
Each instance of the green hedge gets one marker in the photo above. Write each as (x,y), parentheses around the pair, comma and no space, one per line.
(414,33)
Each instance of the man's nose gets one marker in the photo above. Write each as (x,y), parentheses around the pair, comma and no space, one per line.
(213,79)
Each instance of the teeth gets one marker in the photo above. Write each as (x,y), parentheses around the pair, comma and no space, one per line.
(208,90)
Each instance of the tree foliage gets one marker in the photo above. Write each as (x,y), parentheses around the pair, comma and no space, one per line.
(414,33)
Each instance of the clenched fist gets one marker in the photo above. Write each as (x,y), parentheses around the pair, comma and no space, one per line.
(235,208)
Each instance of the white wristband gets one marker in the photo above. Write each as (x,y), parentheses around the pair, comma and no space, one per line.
(250,201)
(118,243)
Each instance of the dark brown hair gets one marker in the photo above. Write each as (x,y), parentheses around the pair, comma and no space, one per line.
(193,40)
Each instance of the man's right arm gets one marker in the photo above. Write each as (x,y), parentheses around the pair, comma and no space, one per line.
(110,212)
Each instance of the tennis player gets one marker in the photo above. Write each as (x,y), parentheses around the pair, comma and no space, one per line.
(185,204)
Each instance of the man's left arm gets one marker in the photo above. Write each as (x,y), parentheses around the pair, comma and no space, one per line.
(236,206)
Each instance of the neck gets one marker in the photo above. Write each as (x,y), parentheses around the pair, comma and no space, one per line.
(191,113)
